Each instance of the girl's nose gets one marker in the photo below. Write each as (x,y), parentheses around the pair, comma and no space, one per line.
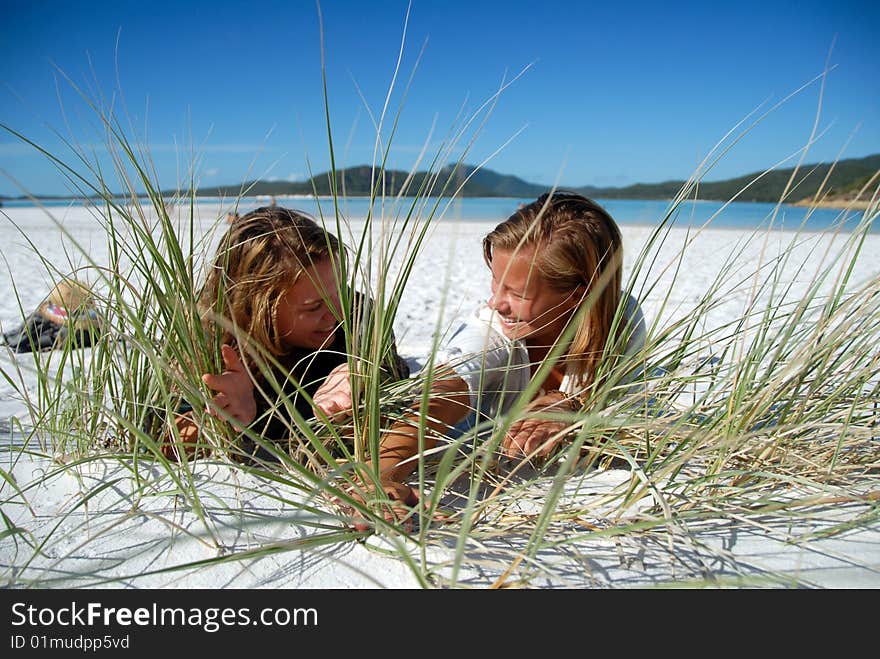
(497,303)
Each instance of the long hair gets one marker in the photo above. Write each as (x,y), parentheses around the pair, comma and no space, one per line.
(262,255)
(576,243)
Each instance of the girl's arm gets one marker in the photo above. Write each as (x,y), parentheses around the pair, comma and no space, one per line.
(448,404)
(188,430)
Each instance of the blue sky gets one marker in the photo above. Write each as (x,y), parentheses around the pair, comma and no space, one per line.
(612,93)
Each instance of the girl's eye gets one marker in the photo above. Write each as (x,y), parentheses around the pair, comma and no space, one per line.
(519,295)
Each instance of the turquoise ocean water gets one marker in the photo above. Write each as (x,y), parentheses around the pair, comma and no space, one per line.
(735,215)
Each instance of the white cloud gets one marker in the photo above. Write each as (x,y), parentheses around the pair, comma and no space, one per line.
(212,172)
(17,149)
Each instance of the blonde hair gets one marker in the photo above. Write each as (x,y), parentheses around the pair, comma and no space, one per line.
(71,294)
(576,243)
(262,255)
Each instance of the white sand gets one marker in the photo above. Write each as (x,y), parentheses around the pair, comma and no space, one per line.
(100,537)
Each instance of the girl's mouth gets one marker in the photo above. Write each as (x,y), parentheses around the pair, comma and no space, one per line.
(509,322)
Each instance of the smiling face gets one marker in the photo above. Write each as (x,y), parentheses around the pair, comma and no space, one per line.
(307,313)
(527,306)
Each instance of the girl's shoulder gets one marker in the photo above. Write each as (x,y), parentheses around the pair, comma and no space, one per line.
(634,325)
(478,332)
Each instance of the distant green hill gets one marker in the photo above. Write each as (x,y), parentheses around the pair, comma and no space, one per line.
(847,176)
(769,187)
(358,182)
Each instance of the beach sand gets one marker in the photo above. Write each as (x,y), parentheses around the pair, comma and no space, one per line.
(94,534)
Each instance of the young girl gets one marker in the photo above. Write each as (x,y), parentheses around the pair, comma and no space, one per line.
(556,267)
(67,317)
(274,280)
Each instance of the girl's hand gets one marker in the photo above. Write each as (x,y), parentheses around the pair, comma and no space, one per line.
(334,395)
(401,507)
(401,500)
(235,387)
(536,437)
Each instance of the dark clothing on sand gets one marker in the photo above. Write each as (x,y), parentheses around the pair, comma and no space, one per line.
(50,327)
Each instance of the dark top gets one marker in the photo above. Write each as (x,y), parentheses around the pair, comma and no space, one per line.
(308,368)
(40,332)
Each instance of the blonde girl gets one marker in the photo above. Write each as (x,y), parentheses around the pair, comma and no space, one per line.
(556,272)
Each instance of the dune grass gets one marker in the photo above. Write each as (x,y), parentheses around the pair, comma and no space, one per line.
(764,419)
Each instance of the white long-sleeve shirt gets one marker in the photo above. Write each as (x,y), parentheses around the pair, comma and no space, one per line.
(496,369)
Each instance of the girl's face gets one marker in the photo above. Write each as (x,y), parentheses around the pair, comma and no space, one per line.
(308,311)
(527,306)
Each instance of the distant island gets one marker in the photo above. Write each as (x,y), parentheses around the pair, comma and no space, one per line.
(847,178)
